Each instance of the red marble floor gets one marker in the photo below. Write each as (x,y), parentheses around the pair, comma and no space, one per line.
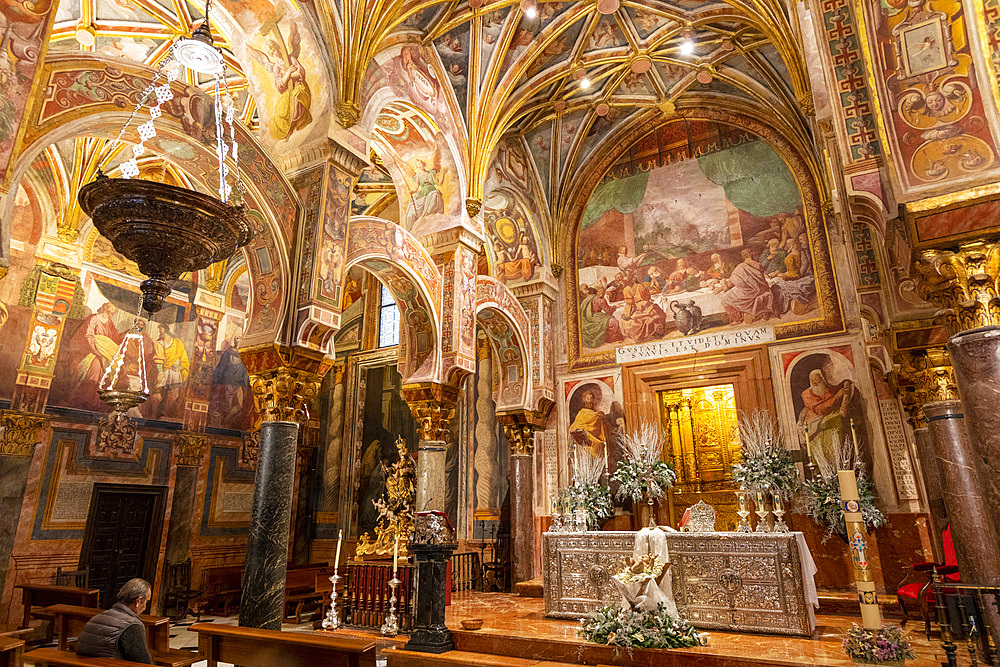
(515,633)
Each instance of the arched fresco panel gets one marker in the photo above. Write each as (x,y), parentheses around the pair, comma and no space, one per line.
(504,321)
(405,268)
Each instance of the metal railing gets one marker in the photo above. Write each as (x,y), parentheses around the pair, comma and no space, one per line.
(967,612)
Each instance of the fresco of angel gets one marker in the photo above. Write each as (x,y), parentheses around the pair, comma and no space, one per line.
(425,179)
(291,111)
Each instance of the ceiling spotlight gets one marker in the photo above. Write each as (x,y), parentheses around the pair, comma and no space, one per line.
(529,8)
(585,83)
(85,35)
(687,47)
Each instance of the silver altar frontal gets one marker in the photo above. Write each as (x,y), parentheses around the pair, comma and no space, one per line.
(749,582)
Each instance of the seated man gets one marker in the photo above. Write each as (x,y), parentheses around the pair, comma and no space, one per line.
(118,632)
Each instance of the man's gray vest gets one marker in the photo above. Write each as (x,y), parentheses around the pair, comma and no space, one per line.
(99,638)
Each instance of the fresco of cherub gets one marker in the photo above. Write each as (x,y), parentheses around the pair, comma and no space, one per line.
(291,110)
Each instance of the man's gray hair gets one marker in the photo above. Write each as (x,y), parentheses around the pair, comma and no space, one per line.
(133,590)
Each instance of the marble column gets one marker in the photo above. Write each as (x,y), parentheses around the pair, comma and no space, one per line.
(520,434)
(432,407)
(937,514)
(282,396)
(189,448)
(21,433)
(430,634)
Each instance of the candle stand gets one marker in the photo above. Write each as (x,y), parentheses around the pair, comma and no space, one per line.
(332,619)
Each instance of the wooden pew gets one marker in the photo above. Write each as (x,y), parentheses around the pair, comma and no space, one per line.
(301,588)
(44,595)
(220,586)
(70,619)
(53,657)
(11,650)
(267,648)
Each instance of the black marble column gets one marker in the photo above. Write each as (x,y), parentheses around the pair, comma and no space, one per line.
(430,634)
(933,485)
(263,591)
(521,476)
(13,482)
(181,519)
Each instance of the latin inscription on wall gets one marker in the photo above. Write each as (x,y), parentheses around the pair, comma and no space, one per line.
(895,438)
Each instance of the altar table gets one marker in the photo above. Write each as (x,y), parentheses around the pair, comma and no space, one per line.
(749,582)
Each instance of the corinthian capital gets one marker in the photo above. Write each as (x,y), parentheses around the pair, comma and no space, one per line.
(963,283)
(432,406)
(284,394)
(519,428)
(930,376)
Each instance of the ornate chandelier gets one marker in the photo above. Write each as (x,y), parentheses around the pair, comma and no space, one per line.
(166,230)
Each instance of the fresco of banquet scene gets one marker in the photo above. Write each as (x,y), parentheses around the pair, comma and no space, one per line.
(697,244)
(186,356)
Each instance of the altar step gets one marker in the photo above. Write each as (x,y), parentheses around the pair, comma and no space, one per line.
(532,588)
(845,603)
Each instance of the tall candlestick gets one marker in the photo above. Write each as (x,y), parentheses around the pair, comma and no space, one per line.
(340,539)
(395,556)
(854,438)
(809,449)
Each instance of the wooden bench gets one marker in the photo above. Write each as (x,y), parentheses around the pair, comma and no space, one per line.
(220,586)
(53,657)
(251,647)
(44,595)
(11,650)
(68,620)
(301,587)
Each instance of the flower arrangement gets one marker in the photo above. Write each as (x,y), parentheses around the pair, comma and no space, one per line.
(822,502)
(766,465)
(643,473)
(647,567)
(586,491)
(627,628)
(822,496)
(883,646)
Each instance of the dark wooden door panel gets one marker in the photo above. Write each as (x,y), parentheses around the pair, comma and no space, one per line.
(122,536)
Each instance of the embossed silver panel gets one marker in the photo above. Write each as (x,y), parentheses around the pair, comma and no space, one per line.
(748,582)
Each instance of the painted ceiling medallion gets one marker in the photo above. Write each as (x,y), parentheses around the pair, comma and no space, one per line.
(641,65)
(608,6)
(603,109)
(704,77)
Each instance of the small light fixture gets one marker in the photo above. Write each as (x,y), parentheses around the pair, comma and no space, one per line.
(585,83)
(198,52)
(687,47)
(85,35)
(529,8)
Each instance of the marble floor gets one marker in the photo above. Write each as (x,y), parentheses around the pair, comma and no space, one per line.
(516,627)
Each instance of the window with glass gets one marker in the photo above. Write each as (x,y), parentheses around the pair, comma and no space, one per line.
(388,320)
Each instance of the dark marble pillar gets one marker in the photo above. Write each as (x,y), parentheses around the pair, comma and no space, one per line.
(933,485)
(181,520)
(430,634)
(522,517)
(973,526)
(975,357)
(263,590)
(13,482)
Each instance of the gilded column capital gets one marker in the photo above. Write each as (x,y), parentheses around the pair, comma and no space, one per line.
(930,374)
(432,406)
(348,114)
(519,428)
(963,283)
(20,432)
(284,394)
(190,448)
(472,206)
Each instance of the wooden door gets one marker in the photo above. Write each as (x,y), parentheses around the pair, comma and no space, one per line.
(122,537)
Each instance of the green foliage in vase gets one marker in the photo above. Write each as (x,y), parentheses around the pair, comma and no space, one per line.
(593,499)
(642,472)
(629,628)
(823,505)
(766,465)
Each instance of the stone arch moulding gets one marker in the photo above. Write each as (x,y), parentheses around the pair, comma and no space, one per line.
(402,264)
(94,96)
(505,323)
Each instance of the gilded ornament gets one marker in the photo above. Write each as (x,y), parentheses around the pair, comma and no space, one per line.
(932,377)
(432,406)
(249,448)
(963,283)
(68,233)
(348,114)
(3,271)
(190,448)
(395,509)
(521,438)
(20,432)
(472,206)
(805,101)
(284,394)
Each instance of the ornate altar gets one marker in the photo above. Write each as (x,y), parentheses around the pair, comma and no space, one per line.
(752,582)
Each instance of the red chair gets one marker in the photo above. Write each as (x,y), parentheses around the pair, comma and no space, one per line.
(920,592)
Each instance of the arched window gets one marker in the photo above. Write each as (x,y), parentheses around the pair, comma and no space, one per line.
(388,320)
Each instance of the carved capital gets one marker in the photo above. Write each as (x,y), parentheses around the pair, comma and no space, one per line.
(432,406)
(472,206)
(929,375)
(519,429)
(963,283)
(805,101)
(348,114)
(20,432)
(190,448)
(284,394)
(557,269)
(68,233)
